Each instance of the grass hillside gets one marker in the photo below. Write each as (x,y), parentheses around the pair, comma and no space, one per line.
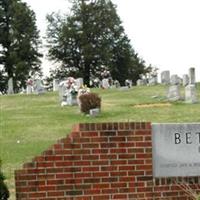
(29,123)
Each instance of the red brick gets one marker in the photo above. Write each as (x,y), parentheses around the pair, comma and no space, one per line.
(45,176)
(63,152)
(63,163)
(81,151)
(126,168)
(37,195)
(143,144)
(55,194)
(90,157)
(91,192)
(117,139)
(126,144)
(108,145)
(122,173)
(100,162)
(118,162)
(82,163)
(83,175)
(118,150)
(64,176)
(90,146)
(136,162)
(108,168)
(99,139)
(119,196)
(99,151)
(46,188)
(101,185)
(144,167)
(108,156)
(90,169)
(109,191)
(142,132)
(81,140)
(45,164)
(125,133)
(100,174)
(126,156)
(89,134)
(143,155)
(118,185)
(53,158)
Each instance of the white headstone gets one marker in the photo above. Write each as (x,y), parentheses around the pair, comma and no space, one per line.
(55,84)
(38,87)
(105,83)
(128,83)
(141,82)
(67,94)
(174,93)
(190,94)
(185,80)
(29,89)
(94,112)
(79,82)
(174,80)
(165,77)
(10,86)
(153,80)
(116,83)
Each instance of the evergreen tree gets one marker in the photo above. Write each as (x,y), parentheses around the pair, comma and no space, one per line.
(4,193)
(91,37)
(19,41)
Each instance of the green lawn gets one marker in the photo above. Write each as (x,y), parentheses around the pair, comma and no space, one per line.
(29,123)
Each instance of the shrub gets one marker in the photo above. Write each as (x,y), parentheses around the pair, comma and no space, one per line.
(89,101)
(4,193)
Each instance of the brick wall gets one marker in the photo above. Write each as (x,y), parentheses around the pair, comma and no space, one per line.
(99,161)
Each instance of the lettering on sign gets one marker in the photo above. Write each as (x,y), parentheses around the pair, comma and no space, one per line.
(176,150)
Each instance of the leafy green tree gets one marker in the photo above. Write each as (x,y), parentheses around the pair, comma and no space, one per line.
(19,41)
(90,37)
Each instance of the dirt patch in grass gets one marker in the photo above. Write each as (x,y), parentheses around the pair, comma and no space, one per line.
(152,105)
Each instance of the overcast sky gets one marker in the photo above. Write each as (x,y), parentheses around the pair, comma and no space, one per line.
(165,33)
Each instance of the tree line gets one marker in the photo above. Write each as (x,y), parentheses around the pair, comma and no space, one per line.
(81,43)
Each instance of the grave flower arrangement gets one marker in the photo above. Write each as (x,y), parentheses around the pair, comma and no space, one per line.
(71,85)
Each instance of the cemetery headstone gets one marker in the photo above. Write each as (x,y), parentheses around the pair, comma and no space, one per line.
(141,82)
(174,93)
(190,94)
(105,83)
(116,83)
(165,77)
(185,80)
(94,112)
(10,86)
(68,92)
(174,80)
(128,83)
(38,87)
(55,85)
(79,82)
(153,80)
(192,75)
(29,86)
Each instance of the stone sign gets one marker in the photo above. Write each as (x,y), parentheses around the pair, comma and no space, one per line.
(176,150)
